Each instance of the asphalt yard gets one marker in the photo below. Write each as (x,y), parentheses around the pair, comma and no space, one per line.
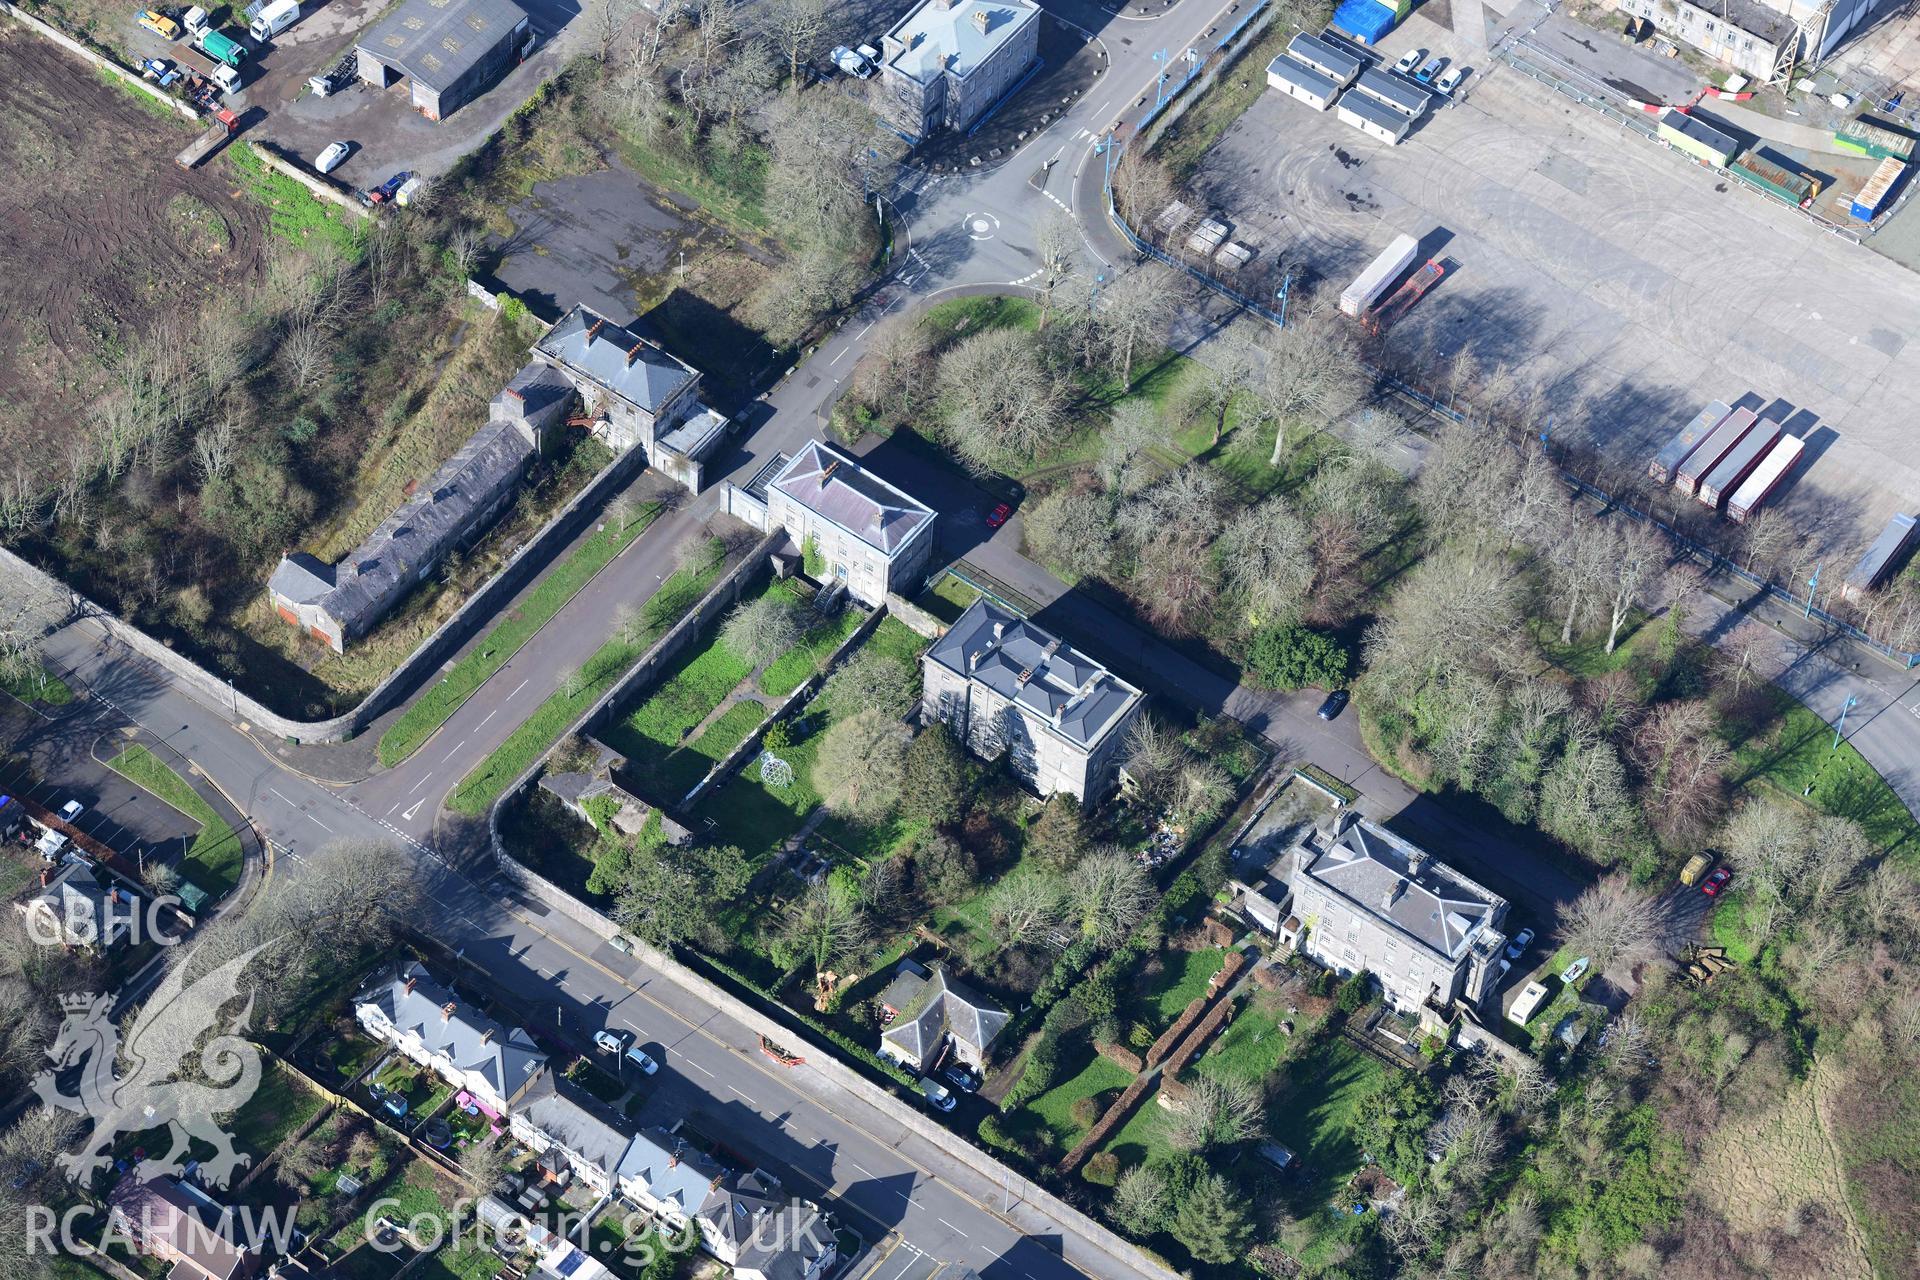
(1616,281)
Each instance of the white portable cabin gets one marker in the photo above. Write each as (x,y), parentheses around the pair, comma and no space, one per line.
(1301,83)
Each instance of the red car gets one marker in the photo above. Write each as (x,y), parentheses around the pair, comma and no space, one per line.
(1716,882)
(998,516)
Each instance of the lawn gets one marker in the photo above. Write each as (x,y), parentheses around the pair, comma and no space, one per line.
(1143,1138)
(16,873)
(40,686)
(1314,1112)
(295,214)
(213,861)
(1250,1049)
(345,1054)
(696,684)
(1053,1110)
(419,1192)
(556,588)
(788,671)
(280,1106)
(679,593)
(1182,979)
(948,598)
(423,1092)
(1800,759)
(463,1260)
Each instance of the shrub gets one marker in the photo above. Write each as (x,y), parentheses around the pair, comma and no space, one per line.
(1085,1111)
(995,1135)
(1355,992)
(1292,657)
(1102,1169)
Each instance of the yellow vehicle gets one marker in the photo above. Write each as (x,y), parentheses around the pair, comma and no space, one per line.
(160,24)
(1695,868)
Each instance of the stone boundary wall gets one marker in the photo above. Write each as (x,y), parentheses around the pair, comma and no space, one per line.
(1190,1048)
(322,189)
(216,692)
(101,61)
(917,620)
(736,759)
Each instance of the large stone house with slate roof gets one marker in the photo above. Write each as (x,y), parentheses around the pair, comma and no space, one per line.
(947,62)
(1004,685)
(424,1020)
(865,532)
(1363,898)
(932,1015)
(339,603)
(639,395)
(450,51)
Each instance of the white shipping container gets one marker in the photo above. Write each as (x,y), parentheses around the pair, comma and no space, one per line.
(1754,490)
(1383,271)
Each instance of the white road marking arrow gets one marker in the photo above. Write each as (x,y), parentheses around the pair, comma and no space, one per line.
(409,814)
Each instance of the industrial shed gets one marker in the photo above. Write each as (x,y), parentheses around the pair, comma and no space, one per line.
(449,49)
(1301,82)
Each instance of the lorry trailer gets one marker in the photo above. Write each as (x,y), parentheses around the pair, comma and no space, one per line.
(1380,273)
(274,19)
(1872,197)
(1766,477)
(1677,450)
(1382,317)
(1718,444)
(1739,463)
(1881,557)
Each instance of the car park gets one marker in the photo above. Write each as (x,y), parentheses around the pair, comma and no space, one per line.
(160,24)
(1521,941)
(1450,79)
(330,159)
(640,1058)
(1716,882)
(1409,60)
(938,1096)
(1334,704)
(610,1041)
(1429,69)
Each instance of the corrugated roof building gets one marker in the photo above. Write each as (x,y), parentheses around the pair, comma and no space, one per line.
(861,530)
(1006,686)
(449,49)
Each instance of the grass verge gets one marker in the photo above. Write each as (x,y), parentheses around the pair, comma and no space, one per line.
(1800,758)
(556,589)
(543,728)
(294,213)
(41,686)
(213,860)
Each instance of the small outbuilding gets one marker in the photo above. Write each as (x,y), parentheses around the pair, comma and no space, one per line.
(1301,82)
(449,49)
(1403,96)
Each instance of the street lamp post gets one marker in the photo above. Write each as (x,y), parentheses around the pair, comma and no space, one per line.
(1812,582)
(1838,728)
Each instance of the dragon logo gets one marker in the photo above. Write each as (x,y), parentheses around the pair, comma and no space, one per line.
(177,1076)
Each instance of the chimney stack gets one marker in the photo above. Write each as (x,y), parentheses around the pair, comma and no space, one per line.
(46,876)
(980,21)
(411,984)
(446,1012)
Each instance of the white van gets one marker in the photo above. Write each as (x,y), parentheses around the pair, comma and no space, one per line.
(194,20)
(274,19)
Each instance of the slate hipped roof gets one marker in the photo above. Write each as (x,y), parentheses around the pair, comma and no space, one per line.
(833,486)
(616,358)
(764,1229)
(89,913)
(1077,697)
(932,1005)
(436,42)
(673,1172)
(569,1122)
(417,1005)
(439,512)
(958,37)
(1398,883)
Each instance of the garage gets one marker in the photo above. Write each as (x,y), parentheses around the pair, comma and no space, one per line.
(449,50)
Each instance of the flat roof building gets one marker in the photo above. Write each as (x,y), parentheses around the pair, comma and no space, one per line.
(949,61)
(1325,57)
(1004,685)
(1301,83)
(1697,138)
(449,49)
(1408,99)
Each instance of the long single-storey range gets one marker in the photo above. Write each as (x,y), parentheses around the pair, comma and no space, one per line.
(449,49)
(1302,82)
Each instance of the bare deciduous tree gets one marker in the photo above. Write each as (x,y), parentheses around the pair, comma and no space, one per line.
(1002,402)
(795,27)
(1268,554)
(1216,1113)
(1110,894)
(1130,315)
(1639,555)
(1611,922)
(860,764)
(761,629)
(1056,241)
(1124,466)
(1025,907)
(213,448)
(1312,374)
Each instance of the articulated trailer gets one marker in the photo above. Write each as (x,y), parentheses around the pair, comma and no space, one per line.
(1766,477)
(1677,450)
(1380,273)
(1739,463)
(1382,317)
(1718,444)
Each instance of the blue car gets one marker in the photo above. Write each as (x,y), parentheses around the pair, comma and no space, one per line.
(1428,70)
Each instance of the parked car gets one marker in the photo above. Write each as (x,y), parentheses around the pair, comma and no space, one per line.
(1450,80)
(998,516)
(1409,60)
(330,159)
(851,63)
(1521,941)
(1429,69)
(1336,701)
(938,1096)
(71,810)
(640,1058)
(1576,971)
(614,1042)
(160,24)
(1716,882)
(386,190)
(962,1078)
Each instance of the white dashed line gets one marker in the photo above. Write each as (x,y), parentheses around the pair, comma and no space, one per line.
(456,751)
(957,1231)
(517,688)
(702,1070)
(423,782)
